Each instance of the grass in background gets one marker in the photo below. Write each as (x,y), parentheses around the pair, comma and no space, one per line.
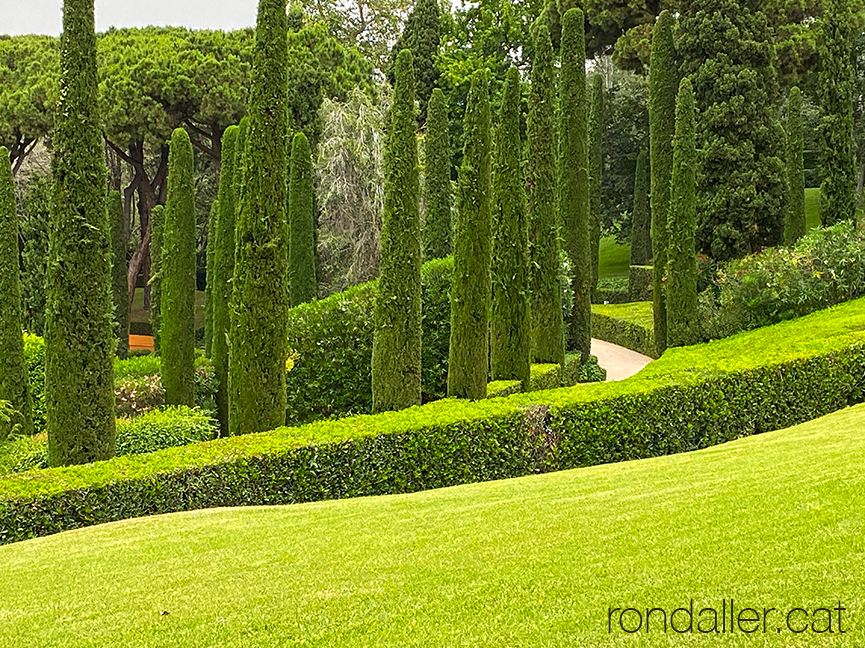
(812,208)
(637,313)
(614,259)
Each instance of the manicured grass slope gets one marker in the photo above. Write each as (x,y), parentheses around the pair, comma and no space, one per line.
(776,520)
(614,259)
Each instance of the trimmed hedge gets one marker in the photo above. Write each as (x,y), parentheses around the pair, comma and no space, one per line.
(552,376)
(611,290)
(693,397)
(628,325)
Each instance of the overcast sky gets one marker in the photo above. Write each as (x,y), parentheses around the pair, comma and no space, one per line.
(46,16)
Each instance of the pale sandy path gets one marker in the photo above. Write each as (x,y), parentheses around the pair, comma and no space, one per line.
(619,362)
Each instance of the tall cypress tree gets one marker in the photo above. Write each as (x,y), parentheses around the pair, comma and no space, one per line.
(596,168)
(437,188)
(301,222)
(682,323)
(574,178)
(548,339)
(210,254)
(836,85)
(119,285)
(177,307)
(157,224)
(468,366)
(79,336)
(14,378)
(259,308)
(510,321)
(223,266)
(641,234)
(663,77)
(422,35)
(396,347)
(794,225)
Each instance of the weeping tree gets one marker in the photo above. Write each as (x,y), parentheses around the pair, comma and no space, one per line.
(794,224)
(157,222)
(468,365)
(301,223)
(79,336)
(641,234)
(437,186)
(596,167)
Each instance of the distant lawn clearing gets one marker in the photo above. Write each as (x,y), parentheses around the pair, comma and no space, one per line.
(614,259)
(774,521)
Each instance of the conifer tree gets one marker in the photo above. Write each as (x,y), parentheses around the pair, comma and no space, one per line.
(438,200)
(301,222)
(14,378)
(177,290)
(157,224)
(682,323)
(547,334)
(422,35)
(259,306)
(641,235)
(662,124)
(510,321)
(396,348)
(468,366)
(574,178)
(794,226)
(119,285)
(596,167)
(210,253)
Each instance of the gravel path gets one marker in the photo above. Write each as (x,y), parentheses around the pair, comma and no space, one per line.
(619,362)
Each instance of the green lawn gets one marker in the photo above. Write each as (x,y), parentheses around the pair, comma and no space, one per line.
(637,313)
(774,521)
(812,207)
(614,258)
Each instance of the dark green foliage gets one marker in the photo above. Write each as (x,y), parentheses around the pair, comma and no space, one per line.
(223,266)
(548,338)
(682,325)
(641,283)
(510,319)
(14,385)
(78,327)
(259,303)
(34,255)
(641,218)
(437,188)
(34,354)
(177,290)
(663,80)
(794,224)
(212,229)
(170,427)
(836,89)
(596,167)
(157,224)
(574,179)
(301,223)
(119,284)
(422,35)
(396,349)
(613,290)
(727,50)
(468,366)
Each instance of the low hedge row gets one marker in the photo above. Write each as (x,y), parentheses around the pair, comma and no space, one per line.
(611,290)
(691,398)
(551,376)
(628,325)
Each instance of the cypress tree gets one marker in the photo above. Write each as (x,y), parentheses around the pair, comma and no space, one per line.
(79,336)
(177,337)
(662,123)
(510,321)
(547,334)
(468,365)
(223,266)
(259,306)
(301,221)
(422,35)
(157,224)
(396,348)
(682,323)
(794,225)
(596,168)
(212,229)
(438,200)
(641,235)
(14,377)
(574,178)
(836,85)
(119,285)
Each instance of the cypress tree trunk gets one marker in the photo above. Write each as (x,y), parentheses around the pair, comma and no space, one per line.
(157,223)
(438,199)
(682,323)
(795,227)
(119,284)
(177,337)
(468,365)
(596,168)
(14,378)
(79,336)
(510,321)
(574,179)
(212,233)
(259,307)
(547,334)
(301,222)
(662,123)
(641,235)
(836,88)
(223,266)
(396,347)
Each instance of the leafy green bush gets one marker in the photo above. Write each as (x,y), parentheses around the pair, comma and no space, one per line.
(164,428)
(24,453)
(641,283)
(34,354)
(611,290)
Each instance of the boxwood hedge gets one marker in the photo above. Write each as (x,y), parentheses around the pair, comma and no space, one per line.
(629,325)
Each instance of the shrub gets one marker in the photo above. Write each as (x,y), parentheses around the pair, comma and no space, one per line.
(628,325)
(641,283)
(34,354)
(163,428)
(24,453)
(611,290)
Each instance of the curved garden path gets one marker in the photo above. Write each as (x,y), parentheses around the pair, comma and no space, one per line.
(619,362)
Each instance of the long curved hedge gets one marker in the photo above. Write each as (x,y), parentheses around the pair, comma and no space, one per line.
(692,397)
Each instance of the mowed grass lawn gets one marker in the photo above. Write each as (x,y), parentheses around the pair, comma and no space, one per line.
(773,521)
